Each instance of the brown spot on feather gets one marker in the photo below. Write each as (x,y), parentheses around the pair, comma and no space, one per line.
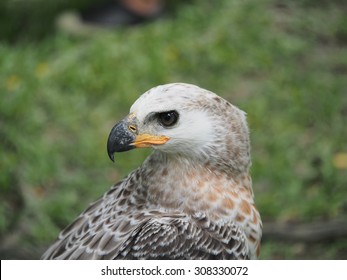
(251,238)
(258,250)
(212,197)
(228,203)
(240,218)
(255,218)
(245,208)
(164,172)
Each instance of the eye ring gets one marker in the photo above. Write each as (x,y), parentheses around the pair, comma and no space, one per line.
(168,119)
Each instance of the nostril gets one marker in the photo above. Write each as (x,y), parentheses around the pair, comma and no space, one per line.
(132,128)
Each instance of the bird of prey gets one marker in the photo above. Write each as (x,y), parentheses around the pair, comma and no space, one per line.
(192,198)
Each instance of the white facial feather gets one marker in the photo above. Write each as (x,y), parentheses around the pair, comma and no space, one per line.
(208,127)
(164,98)
(194,129)
(192,132)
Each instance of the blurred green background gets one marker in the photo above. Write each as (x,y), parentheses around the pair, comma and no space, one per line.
(283,62)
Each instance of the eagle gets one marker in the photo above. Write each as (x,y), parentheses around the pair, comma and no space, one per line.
(191,199)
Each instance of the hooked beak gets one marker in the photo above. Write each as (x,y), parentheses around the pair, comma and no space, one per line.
(124,136)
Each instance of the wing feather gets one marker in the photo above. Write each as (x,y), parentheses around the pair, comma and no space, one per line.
(111,229)
(184,238)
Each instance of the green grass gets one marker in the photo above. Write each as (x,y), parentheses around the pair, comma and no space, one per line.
(285,64)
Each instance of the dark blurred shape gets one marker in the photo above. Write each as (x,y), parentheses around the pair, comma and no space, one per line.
(22,20)
(28,20)
(123,12)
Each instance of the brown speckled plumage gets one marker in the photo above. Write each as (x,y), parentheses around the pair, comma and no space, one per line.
(191,199)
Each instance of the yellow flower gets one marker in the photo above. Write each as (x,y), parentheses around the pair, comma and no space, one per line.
(340,160)
(41,70)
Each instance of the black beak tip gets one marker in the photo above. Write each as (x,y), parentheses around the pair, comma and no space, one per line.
(120,139)
(110,148)
(111,156)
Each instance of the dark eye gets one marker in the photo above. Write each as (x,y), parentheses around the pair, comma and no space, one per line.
(168,118)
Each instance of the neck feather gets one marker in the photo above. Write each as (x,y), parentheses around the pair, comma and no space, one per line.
(177,183)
